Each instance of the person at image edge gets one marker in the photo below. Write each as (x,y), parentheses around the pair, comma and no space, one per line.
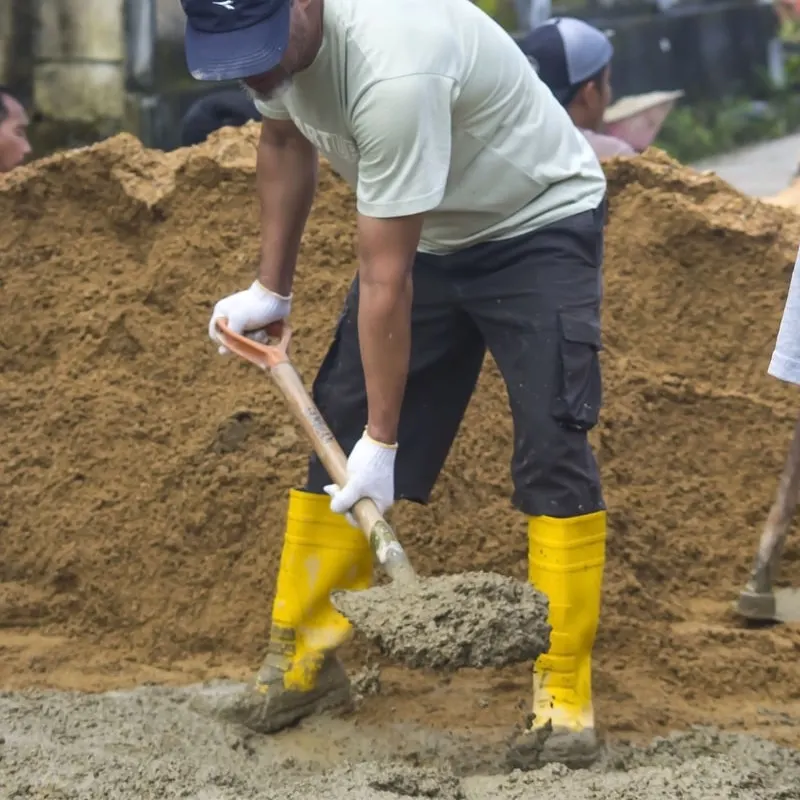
(14,144)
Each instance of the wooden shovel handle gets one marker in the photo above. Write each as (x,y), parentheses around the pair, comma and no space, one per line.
(779,520)
(275,358)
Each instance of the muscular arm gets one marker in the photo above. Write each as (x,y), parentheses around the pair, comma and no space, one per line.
(402,174)
(286,178)
(386,254)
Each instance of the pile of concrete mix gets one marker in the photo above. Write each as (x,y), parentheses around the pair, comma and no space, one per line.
(146,743)
(144,477)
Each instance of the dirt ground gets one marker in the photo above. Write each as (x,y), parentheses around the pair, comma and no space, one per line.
(144,478)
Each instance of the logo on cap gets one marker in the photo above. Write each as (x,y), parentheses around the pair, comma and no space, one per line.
(225,4)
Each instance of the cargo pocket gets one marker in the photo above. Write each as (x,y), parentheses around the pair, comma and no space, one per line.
(577,403)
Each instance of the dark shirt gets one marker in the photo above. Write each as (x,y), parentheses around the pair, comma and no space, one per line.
(215,111)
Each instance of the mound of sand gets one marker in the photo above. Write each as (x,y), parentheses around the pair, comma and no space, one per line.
(144,478)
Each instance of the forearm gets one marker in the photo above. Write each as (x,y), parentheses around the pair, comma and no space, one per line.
(286,177)
(384,331)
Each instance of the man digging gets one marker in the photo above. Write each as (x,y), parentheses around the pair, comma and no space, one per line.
(480,225)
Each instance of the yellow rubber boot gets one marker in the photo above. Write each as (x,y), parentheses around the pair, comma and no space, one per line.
(322,552)
(301,675)
(566,558)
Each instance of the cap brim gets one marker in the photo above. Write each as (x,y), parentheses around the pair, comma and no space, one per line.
(238,54)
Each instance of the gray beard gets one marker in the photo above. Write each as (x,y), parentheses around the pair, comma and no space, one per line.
(265,98)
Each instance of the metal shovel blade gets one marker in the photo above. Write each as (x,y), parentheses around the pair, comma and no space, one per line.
(779,605)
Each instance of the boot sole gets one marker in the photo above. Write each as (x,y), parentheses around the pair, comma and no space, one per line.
(286,710)
(266,713)
(537,748)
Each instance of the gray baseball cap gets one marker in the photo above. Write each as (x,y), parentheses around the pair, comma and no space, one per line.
(566,52)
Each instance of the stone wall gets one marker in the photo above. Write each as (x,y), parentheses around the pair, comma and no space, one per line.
(5,40)
(170,19)
(79,70)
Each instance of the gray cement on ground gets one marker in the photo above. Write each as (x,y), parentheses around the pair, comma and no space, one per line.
(148,744)
(702,764)
(469,619)
(759,170)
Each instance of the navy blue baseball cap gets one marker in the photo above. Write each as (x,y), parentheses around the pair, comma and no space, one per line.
(235,39)
(567,52)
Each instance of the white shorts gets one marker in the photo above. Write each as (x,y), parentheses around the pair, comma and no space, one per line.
(785,364)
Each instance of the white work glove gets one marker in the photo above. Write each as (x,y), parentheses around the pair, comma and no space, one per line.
(249,312)
(370,473)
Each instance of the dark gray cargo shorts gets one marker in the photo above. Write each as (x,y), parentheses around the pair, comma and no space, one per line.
(534,302)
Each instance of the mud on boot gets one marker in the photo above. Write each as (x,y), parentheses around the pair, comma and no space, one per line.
(301,675)
(537,747)
(281,701)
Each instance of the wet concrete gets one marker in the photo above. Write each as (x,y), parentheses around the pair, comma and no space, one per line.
(470,619)
(147,743)
(702,764)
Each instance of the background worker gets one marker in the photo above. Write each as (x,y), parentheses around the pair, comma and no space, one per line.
(574,60)
(480,212)
(758,601)
(229,107)
(14,144)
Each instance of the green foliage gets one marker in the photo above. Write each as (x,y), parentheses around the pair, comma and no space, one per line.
(694,132)
(701,130)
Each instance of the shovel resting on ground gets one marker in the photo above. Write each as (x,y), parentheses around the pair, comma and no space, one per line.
(760,601)
(274,358)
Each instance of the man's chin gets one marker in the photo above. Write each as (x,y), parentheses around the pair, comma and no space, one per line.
(274,94)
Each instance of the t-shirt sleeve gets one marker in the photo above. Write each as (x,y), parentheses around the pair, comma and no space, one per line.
(403,130)
(785,363)
(272,109)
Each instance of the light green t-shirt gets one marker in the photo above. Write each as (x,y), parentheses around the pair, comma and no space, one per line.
(429,107)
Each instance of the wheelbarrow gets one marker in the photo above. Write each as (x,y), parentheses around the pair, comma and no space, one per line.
(637,119)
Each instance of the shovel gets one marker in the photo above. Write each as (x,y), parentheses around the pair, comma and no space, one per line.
(759,601)
(274,358)
(466,619)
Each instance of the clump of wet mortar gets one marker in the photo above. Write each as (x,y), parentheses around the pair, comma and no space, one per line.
(471,619)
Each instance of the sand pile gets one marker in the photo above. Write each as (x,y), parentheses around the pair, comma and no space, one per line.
(144,478)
